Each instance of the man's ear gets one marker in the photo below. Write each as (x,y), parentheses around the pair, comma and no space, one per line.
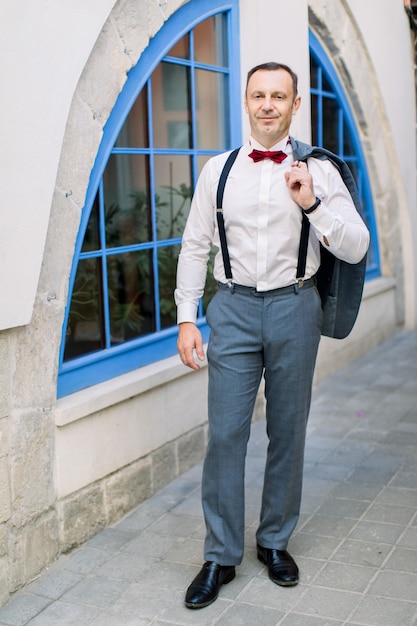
(245,103)
(296,105)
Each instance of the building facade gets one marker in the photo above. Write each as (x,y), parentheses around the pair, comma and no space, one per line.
(109,110)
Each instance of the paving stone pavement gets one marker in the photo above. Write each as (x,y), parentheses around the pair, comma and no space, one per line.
(356,542)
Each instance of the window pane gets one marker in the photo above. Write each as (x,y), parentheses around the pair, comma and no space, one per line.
(314,75)
(348,147)
(330,125)
(326,86)
(171,106)
(173,194)
(134,133)
(167,268)
(85,332)
(131,295)
(92,234)
(209,41)
(354,169)
(181,50)
(201,161)
(315,120)
(210,112)
(126,200)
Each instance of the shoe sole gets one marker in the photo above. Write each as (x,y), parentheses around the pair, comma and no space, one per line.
(281,583)
(202,605)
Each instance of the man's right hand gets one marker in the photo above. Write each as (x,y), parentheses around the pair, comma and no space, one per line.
(190,340)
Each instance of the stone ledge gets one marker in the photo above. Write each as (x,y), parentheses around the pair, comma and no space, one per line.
(377,286)
(116,390)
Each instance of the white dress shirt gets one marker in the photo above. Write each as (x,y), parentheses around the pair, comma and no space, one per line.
(263,226)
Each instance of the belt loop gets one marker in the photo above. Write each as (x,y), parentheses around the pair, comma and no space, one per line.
(231,286)
(296,289)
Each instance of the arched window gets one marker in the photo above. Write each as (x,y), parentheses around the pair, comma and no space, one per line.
(333,127)
(172,115)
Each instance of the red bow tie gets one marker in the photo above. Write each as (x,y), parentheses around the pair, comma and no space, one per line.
(259,155)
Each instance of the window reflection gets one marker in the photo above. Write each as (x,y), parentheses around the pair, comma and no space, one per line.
(85,329)
(331,125)
(131,298)
(134,133)
(126,197)
(92,234)
(209,41)
(181,49)
(210,88)
(167,270)
(171,106)
(173,194)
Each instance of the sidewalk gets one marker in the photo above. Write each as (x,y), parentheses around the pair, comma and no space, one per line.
(355,544)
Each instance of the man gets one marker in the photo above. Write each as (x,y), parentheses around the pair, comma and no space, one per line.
(262,323)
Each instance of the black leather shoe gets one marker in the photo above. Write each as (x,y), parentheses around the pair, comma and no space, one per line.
(282,568)
(205,587)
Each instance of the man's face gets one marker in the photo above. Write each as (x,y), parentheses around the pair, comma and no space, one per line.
(270,104)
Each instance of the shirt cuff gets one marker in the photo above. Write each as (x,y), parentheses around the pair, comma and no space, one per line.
(323,219)
(186,312)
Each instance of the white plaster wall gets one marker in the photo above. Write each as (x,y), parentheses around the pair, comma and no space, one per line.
(278,32)
(44,46)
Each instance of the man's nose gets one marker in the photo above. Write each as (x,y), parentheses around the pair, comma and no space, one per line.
(267,103)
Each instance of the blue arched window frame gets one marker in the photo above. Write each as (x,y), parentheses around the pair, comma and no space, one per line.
(105,364)
(345,117)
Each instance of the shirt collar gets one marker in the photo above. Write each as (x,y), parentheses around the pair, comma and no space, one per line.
(281,145)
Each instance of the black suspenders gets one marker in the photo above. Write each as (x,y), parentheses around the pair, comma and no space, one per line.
(305,226)
(219,212)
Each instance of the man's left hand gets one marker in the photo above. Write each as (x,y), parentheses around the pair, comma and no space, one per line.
(300,184)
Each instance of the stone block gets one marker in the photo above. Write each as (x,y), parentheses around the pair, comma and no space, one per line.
(3,540)
(4,450)
(132,28)
(190,449)
(5,505)
(164,466)
(80,144)
(35,373)
(4,582)
(31,465)
(81,516)
(127,488)
(31,549)
(4,373)
(108,65)
(63,226)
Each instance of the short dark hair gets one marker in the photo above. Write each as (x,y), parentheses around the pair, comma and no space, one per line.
(272,66)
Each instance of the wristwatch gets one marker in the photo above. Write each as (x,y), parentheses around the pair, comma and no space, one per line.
(312,208)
